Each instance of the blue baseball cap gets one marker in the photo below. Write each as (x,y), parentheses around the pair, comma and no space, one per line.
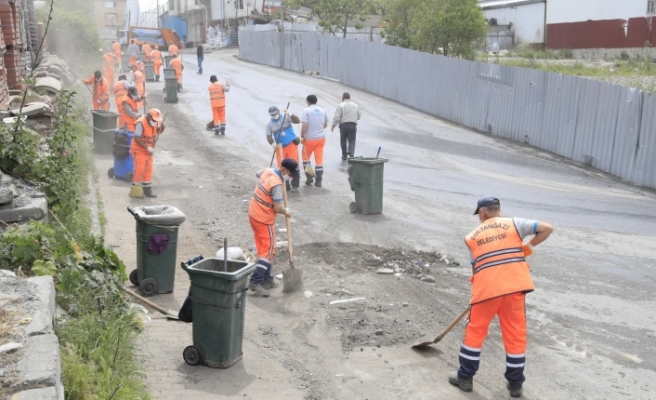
(486,201)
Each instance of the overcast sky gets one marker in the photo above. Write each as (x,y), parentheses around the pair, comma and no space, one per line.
(145,5)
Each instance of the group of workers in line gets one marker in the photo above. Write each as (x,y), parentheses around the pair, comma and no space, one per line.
(130,97)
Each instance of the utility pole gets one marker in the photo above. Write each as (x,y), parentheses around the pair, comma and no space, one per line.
(157,15)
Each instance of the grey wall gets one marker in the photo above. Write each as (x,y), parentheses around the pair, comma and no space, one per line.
(611,127)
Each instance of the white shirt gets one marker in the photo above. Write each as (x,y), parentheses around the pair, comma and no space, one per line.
(316,118)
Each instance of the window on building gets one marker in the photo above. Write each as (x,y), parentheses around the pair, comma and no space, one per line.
(111,18)
(241,4)
(110,4)
(651,7)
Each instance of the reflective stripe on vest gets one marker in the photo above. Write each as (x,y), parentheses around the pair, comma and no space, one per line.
(261,207)
(500,267)
(147,137)
(217,95)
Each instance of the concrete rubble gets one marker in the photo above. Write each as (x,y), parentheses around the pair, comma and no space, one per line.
(31,363)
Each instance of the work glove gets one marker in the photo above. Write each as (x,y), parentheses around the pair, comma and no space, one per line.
(151,150)
(527,249)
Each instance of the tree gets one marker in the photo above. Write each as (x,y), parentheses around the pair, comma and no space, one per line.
(399,15)
(335,15)
(452,27)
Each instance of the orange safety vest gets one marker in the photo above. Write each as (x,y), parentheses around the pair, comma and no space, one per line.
(108,61)
(217,95)
(140,82)
(157,57)
(147,137)
(120,91)
(130,121)
(116,47)
(261,207)
(100,90)
(500,267)
(173,49)
(147,51)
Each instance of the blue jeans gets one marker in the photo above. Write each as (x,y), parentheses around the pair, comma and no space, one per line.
(200,64)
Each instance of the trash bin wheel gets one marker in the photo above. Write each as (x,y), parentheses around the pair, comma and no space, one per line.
(192,355)
(110,172)
(129,176)
(134,278)
(148,287)
(353,207)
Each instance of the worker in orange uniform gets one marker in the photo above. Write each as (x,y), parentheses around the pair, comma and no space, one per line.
(116,50)
(158,60)
(109,63)
(279,131)
(217,99)
(173,49)
(133,51)
(176,64)
(139,81)
(143,146)
(500,281)
(314,120)
(147,50)
(120,90)
(100,91)
(266,204)
(129,111)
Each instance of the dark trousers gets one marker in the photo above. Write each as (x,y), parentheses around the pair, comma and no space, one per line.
(347,134)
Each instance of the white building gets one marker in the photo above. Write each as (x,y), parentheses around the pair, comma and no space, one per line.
(523,19)
(235,9)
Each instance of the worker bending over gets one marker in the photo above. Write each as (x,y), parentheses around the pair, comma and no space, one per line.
(279,130)
(143,146)
(100,91)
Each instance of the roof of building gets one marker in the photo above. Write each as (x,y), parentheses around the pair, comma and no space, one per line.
(489,4)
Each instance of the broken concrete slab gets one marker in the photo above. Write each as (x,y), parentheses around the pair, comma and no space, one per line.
(34,108)
(6,195)
(45,292)
(40,365)
(24,208)
(49,393)
(49,84)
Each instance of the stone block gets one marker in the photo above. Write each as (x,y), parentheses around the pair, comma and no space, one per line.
(41,322)
(6,195)
(49,393)
(45,292)
(40,365)
(24,208)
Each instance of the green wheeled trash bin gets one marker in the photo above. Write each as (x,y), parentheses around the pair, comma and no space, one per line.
(149,66)
(218,296)
(157,246)
(366,179)
(104,125)
(171,89)
(167,61)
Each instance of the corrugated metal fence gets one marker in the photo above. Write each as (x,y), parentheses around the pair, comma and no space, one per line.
(611,127)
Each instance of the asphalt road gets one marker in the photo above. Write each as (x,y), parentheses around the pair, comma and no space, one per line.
(592,318)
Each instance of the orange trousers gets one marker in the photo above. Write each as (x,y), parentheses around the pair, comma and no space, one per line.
(97,106)
(157,67)
(314,147)
(218,115)
(265,239)
(512,318)
(289,151)
(143,167)
(108,73)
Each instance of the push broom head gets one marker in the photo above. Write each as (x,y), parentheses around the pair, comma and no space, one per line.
(310,170)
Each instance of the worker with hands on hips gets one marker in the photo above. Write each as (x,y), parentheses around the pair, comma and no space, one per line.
(500,280)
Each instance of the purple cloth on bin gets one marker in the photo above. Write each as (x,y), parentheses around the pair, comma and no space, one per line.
(157,243)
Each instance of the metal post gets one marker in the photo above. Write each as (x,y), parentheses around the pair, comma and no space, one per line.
(157,15)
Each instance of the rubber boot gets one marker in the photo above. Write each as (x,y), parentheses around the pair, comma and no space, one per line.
(217,131)
(223,129)
(148,192)
(465,384)
(319,172)
(514,391)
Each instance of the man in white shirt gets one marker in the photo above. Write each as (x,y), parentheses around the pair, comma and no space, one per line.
(346,116)
(314,121)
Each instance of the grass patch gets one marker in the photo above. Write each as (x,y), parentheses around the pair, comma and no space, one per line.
(98,348)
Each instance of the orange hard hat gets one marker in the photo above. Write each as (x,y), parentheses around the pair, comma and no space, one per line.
(155,114)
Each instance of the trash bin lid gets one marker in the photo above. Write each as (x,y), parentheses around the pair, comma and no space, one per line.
(367,160)
(158,215)
(213,267)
